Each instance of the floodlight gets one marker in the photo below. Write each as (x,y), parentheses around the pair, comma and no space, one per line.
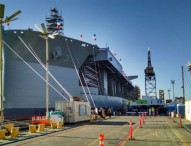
(44,29)
(8,19)
(189,66)
(2,9)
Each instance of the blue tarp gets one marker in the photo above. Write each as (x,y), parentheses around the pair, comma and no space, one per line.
(172,104)
(181,109)
(171,107)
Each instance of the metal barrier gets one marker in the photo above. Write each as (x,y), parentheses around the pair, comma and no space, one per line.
(40,120)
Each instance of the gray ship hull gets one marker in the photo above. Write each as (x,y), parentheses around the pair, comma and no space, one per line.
(24,91)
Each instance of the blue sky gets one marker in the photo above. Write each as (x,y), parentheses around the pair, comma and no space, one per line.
(128,27)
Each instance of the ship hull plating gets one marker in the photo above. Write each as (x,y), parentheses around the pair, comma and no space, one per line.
(24,90)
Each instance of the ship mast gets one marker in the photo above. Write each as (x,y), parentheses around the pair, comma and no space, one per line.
(54,22)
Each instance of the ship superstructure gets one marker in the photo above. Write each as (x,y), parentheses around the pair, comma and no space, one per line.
(54,22)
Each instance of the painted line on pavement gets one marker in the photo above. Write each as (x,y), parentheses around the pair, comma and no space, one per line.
(39,138)
(108,134)
(177,134)
(126,137)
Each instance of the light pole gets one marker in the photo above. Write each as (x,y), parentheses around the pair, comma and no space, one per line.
(173,82)
(47,78)
(45,35)
(7,19)
(183,91)
(169,93)
(189,66)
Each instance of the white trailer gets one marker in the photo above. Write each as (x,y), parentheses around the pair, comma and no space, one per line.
(74,111)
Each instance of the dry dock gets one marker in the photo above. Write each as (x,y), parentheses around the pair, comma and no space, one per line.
(155,131)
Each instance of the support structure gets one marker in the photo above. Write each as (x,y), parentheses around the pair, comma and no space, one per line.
(150,78)
(1,68)
(183,90)
(7,20)
(189,66)
(45,36)
(47,78)
(169,93)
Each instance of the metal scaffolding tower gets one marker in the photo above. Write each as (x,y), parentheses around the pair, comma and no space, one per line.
(150,78)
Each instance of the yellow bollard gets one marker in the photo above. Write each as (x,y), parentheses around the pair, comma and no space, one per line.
(14,132)
(32,128)
(53,125)
(59,124)
(91,118)
(41,127)
(8,127)
(98,117)
(2,134)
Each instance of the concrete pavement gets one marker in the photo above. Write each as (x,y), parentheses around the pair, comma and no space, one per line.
(157,131)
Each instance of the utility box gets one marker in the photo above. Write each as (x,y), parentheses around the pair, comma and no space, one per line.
(74,111)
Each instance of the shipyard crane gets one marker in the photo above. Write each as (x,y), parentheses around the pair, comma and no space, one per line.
(6,20)
(150,78)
